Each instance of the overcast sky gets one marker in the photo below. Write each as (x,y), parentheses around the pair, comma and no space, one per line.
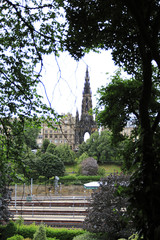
(64,79)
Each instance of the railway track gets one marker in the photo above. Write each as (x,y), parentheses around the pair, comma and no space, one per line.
(70,212)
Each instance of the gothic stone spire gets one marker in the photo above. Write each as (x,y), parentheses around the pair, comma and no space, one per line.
(87,95)
(86,122)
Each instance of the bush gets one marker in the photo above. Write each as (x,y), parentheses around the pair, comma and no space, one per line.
(101,171)
(20,221)
(27,231)
(78,179)
(67,178)
(40,233)
(86,236)
(2,228)
(52,239)
(9,230)
(135,237)
(63,233)
(89,167)
(85,179)
(16,237)
(107,212)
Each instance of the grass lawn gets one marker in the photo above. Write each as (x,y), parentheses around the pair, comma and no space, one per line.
(110,168)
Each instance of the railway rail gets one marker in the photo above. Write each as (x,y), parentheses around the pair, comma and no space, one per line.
(61,212)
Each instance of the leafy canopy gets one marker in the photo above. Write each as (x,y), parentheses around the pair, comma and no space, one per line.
(131,28)
(100,147)
(118,101)
(28,30)
(49,165)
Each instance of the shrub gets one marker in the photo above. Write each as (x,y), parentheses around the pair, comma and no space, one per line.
(107,212)
(78,179)
(85,179)
(16,237)
(27,231)
(2,228)
(52,239)
(63,233)
(89,167)
(135,237)
(86,236)
(67,178)
(20,221)
(101,171)
(40,234)
(9,230)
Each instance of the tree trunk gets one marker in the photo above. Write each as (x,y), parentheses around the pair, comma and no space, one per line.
(148,158)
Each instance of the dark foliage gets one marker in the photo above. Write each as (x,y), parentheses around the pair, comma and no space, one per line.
(9,231)
(131,28)
(49,165)
(107,213)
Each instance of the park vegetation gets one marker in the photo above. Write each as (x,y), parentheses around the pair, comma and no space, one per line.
(43,164)
(131,29)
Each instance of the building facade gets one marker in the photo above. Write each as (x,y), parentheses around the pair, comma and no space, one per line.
(64,133)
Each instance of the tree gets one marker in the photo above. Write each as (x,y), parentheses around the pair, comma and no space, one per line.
(82,157)
(51,148)
(131,29)
(64,152)
(45,145)
(89,166)
(29,31)
(107,213)
(100,147)
(40,233)
(118,102)
(50,165)
(29,160)
(31,135)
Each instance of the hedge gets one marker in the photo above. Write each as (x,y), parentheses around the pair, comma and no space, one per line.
(63,233)
(16,237)
(27,231)
(80,179)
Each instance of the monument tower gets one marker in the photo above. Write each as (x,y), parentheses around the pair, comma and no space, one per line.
(86,122)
